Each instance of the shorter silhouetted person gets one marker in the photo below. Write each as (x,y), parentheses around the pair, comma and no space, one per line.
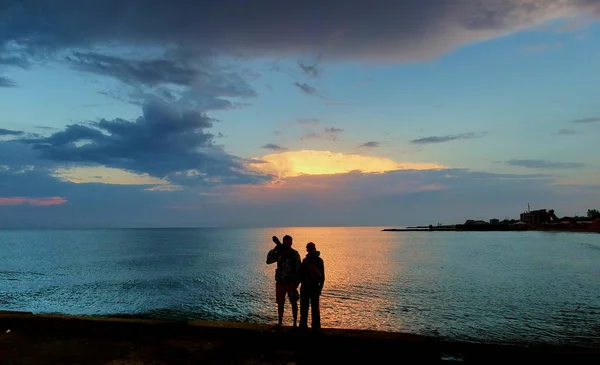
(286,276)
(312,278)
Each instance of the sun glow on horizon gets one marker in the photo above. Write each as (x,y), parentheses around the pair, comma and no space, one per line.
(312,162)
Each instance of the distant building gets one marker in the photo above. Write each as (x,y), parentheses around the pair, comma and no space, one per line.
(471,222)
(536,217)
(494,221)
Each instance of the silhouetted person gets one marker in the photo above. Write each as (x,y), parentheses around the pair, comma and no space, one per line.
(286,276)
(312,277)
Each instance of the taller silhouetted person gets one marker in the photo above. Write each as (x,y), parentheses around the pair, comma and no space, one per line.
(312,277)
(286,276)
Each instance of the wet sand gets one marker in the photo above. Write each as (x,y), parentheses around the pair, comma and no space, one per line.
(50,339)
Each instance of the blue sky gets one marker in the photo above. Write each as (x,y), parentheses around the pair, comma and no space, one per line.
(477,114)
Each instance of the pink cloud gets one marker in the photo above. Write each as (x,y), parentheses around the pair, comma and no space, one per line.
(32,201)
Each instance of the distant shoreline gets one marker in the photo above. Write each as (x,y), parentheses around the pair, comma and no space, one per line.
(491,229)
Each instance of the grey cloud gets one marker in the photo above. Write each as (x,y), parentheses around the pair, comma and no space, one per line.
(277,133)
(8,132)
(6,82)
(541,164)
(88,205)
(274,147)
(565,132)
(387,198)
(12,60)
(372,144)
(310,70)
(587,120)
(311,135)
(147,72)
(306,88)
(207,85)
(443,139)
(164,142)
(332,133)
(374,199)
(364,29)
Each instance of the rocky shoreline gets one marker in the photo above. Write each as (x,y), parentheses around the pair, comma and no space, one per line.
(54,339)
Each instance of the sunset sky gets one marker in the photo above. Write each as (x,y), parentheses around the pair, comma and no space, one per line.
(184,113)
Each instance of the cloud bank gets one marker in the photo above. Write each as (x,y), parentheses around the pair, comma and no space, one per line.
(541,164)
(444,139)
(164,142)
(380,30)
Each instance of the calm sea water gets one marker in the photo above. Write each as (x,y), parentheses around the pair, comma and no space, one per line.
(504,287)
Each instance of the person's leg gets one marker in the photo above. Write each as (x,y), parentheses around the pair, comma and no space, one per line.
(316,311)
(295,309)
(304,300)
(280,298)
(280,310)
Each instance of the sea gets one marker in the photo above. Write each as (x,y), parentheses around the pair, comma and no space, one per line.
(492,287)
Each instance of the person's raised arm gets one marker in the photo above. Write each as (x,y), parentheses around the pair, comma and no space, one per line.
(273,255)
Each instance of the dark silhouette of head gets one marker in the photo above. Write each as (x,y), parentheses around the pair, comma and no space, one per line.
(287,241)
(310,247)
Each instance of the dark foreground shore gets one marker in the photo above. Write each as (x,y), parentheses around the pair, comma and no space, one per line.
(39,340)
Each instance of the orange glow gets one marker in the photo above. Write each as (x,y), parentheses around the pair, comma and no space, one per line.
(32,201)
(311,162)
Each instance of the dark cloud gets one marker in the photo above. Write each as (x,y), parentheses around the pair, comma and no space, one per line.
(310,70)
(328,133)
(87,205)
(277,133)
(371,144)
(306,88)
(443,139)
(411,197)
(8,60)
(6,82)
(46,128)
(164,142)
(274,147)
(587,120)
(309,121)
(147,72)
(541,164)
(365,29)
(565,132)
(332,133)
(206,85)
(12,60)
(8,132)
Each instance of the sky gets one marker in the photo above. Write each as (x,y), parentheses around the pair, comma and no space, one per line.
(232,113)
